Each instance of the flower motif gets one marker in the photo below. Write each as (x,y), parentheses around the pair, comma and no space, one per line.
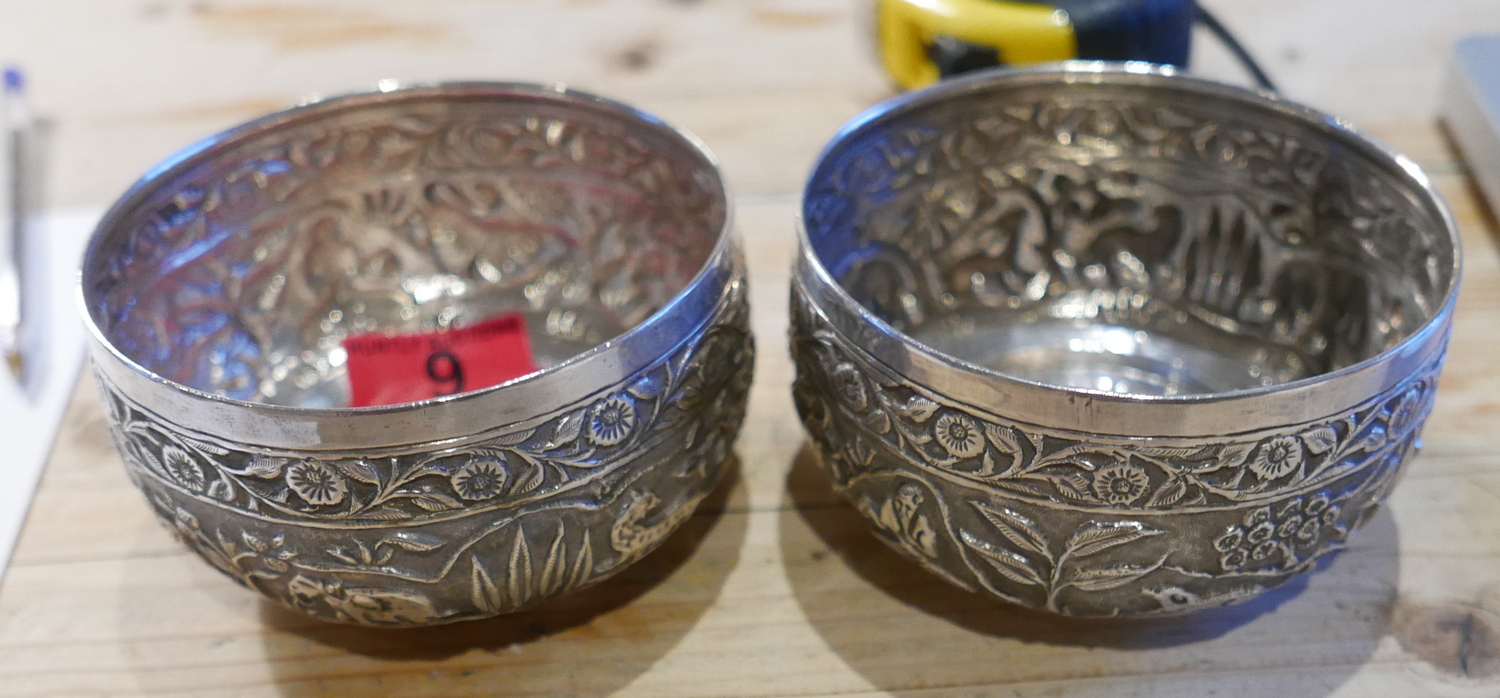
(1230,540)
(1289,526)
(183,468)
(850,387)
(1261,533)
(959,436)
(1277,457)
(611,421)
(1283,528)
(1122,483)
(479,479)
(317,483)
(1309,530)
(1264,550)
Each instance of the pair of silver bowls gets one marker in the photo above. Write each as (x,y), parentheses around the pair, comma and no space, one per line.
(1095,339)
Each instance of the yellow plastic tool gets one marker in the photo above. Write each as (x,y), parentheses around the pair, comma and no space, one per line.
(923,41)
(1030,33)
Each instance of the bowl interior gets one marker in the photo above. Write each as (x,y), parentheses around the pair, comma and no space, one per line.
(1144,238)
(241,271)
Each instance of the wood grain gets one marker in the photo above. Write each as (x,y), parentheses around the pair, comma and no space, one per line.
(775,588)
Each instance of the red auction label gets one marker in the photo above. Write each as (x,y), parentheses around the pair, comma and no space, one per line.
(387,370)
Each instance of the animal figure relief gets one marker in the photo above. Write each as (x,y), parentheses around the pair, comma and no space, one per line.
(631,539)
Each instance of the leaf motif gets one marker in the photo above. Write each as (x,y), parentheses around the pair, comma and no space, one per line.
(1320,440)
(385,514)
(1098,536)
(276,565)
(513,439)
(567,430)
(1184,452)
(1016,528)
(1016,568)
(1020,487)
(482,589)
(360,470)
(534,479)
(221,490)
(1004,438)
(583,565)
(918,408)
(385,556)
(921,436)
(364,553)
(1067,455)
(205,447)
(879,421)
(555,571)
(1168,494)
(645,388)
(1234,455)
(413,542)
(254,542)
(151,461)
(435,501)
(1104,578)
(520,569)
(1073,486)
(264,467)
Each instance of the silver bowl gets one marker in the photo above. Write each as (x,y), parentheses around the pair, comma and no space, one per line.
(219,290)
(1103,340)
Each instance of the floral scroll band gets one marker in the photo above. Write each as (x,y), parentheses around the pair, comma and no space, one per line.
(571,448)
(847,391)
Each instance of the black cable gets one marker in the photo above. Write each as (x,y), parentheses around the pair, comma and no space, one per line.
(1219,30)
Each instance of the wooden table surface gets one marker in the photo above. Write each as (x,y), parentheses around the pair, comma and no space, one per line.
(774,588)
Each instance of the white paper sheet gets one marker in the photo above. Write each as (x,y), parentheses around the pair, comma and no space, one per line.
(30,415)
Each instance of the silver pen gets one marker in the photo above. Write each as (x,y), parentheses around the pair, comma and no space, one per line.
(16,124)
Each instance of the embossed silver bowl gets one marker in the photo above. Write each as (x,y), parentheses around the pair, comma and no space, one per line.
(220,287)
(1103,340)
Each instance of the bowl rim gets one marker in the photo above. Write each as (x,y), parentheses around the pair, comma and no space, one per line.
(1120,73)
(388,92)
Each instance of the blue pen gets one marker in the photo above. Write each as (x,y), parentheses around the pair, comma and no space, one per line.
(16,123)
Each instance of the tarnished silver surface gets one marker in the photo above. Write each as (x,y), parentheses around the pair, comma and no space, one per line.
(1103,340)
(220,288)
